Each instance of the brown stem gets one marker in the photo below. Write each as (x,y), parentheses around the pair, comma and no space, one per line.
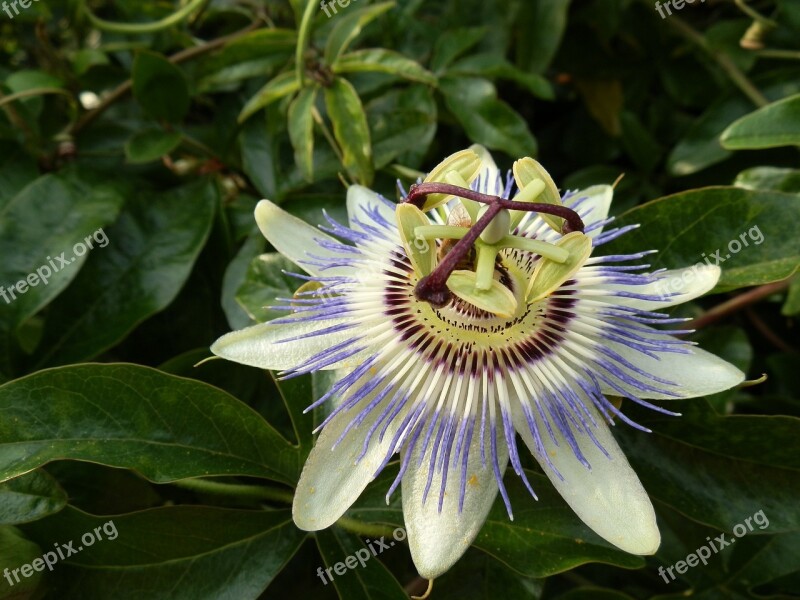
(433,288)
(737,303)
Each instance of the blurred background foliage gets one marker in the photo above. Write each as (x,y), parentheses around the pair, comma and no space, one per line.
(163,123)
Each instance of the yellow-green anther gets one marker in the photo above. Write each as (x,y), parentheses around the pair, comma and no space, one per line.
(420,251)
(527,170)
(465,163)
(527,194)
(432,232)
(544,249)
(472,207)
(549,275)
(497,228)
(484,267)
(497,300)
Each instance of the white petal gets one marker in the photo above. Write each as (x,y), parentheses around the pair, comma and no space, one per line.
(488,171)
(675,286)
(595,206)
(697,374)
(294,238)
(332,479)
(609,497)
(438,539)
(262,345)
(360,199)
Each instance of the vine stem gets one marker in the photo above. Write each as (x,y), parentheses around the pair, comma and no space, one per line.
(34,92)
(139,28)
(121,90)
(235,490)
(781,54)
(723,60)
(737,303)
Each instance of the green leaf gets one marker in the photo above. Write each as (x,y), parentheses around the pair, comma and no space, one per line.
(180,552)
(265,282)
(350,129)
(700,146)
(355,572)
(381,60)
(16,171)
(349,26)
(492,65)
(235,275)
(30,497)
(39,230)
(769,178)
(478,576)
(777,124)
(704,466)
(301,130)
(402,124)
(164,427)
(792,305)
(27,79)
(749,234)
(486,119)
(150,145)
(260,157)
(254,54)
(593,593)
(15,551)
(160,87)
(452,43)
(149,255)
(282,85)
(543,22)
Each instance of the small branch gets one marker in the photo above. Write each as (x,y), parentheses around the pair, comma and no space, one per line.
(754,14)
(735,304)
(179,57)
(782,54)
(723,60)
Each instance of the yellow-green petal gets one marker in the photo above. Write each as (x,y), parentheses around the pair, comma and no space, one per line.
(526,170)
(465,163)
(549,275)
(498,299)
(420,251)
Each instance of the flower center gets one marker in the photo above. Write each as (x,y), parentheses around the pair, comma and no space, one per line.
(465,262)
(461,334)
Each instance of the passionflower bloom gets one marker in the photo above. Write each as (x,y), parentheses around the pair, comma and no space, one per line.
(460,317)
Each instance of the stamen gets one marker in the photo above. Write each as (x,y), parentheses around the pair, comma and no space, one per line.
(432,288)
